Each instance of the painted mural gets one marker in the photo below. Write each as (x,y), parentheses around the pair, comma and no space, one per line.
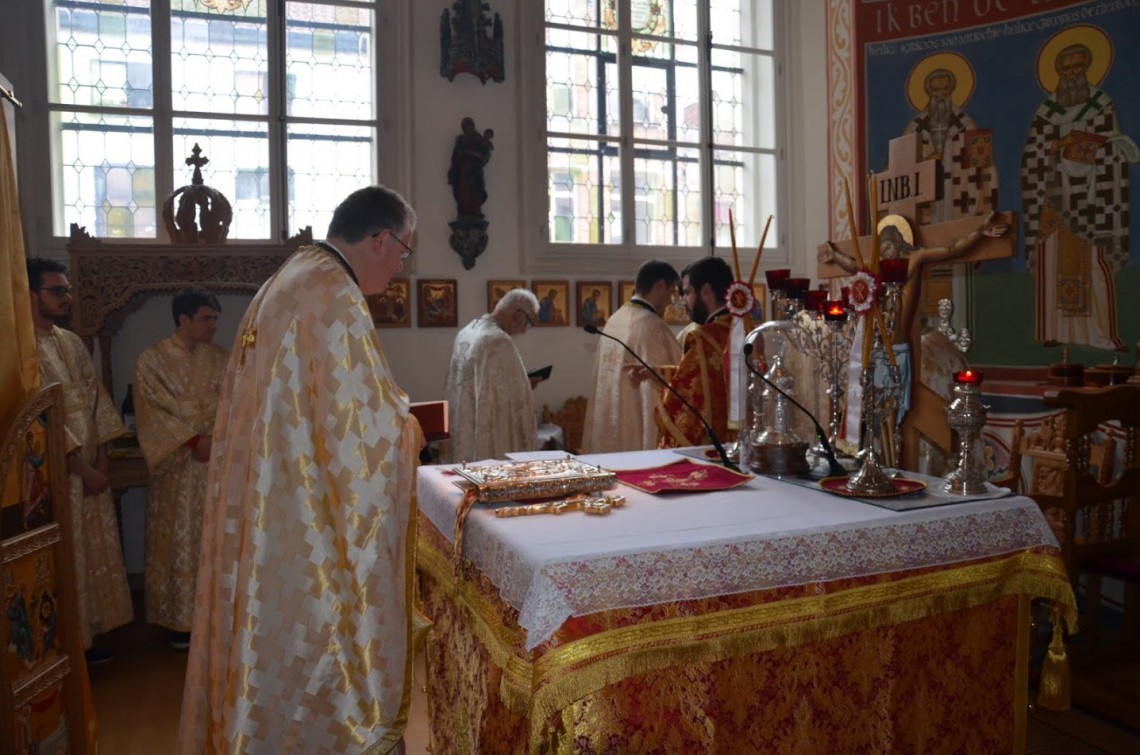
(1026,105)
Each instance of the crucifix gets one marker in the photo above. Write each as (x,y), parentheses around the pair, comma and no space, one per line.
(908,183)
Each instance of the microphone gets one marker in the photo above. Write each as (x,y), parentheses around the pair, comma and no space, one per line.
(836,470)
(593,330)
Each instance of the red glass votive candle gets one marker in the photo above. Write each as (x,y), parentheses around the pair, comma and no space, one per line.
(834,311)
(795,288)
(968,376)
(845,296)
(893,270)
(777,278)
(814,299)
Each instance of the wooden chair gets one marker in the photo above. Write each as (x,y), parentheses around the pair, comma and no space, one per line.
(1096,515)
(572,419)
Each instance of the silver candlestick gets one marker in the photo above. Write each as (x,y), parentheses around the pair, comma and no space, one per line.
(877,402)
(967,415)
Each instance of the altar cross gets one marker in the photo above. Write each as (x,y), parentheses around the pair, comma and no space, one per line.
(908,180)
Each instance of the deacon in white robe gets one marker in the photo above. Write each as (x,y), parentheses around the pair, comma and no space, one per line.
(176,387)
(619,414)
(90,422)
(490,399)
(302,633)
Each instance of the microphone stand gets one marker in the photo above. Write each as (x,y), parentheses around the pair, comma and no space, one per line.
(836,469)
(593,330)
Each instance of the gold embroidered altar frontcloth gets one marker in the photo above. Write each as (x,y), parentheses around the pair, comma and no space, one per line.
(928,660)
(761,536)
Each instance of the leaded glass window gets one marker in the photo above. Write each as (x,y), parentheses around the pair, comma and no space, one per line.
(134,85)
(660,119)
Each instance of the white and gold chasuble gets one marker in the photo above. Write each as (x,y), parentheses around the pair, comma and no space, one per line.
(619,417)
(302,635)
(176,398)
(490,401)
(104,596)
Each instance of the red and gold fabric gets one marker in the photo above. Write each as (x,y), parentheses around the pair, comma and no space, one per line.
(700,378)
(909,661)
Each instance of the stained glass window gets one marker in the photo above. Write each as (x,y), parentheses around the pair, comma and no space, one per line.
(669,114)
(129,105)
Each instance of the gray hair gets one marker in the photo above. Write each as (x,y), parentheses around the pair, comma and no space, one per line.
(517,298)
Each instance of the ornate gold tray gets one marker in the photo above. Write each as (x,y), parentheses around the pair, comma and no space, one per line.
(525,480)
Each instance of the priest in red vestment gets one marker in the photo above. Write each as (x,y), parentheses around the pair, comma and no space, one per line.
(700,376)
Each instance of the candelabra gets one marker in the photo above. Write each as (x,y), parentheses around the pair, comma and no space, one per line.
(893,278)
(840,331)
(877,402)
(967,416)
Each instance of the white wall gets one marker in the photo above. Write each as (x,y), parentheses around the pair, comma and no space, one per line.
(419,356)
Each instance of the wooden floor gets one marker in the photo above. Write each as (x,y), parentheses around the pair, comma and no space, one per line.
(139,693)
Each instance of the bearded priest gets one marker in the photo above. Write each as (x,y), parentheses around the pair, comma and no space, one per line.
(700,376)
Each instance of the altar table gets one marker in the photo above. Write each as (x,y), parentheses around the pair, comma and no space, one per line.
(767,618)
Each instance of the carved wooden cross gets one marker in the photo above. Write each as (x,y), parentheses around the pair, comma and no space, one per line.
(907,184)
(908,180)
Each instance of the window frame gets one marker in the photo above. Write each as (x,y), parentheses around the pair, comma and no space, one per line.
(41,198)
(539,254)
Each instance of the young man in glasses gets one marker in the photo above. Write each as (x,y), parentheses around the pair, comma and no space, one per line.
(90,423)
(490,399)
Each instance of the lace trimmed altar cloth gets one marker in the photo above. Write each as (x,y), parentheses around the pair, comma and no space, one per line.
(764,535)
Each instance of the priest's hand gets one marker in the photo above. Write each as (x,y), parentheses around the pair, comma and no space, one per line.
(636,374)
(94,481)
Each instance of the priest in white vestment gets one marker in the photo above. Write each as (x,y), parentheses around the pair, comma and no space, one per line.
(176,387)
(490,398)
(104,597)
(302,632)
(619,414)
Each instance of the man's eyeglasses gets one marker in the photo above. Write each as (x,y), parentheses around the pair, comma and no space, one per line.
(529,319)
(408,251)
(60,291)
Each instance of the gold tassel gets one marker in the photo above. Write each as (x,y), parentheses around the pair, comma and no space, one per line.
(1053,686)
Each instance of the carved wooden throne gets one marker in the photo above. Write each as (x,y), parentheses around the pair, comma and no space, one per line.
(111,279)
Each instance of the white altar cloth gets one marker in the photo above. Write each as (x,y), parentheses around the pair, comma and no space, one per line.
(659,549)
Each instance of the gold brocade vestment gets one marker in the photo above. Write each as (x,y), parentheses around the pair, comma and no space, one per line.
(301,639)
(176,398)
(700,378)
(488,395)
(619,416)
(104,596)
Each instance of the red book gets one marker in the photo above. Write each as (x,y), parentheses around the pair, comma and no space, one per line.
(433,419)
